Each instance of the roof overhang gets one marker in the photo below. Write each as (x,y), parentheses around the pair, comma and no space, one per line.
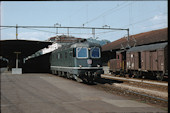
(8,48)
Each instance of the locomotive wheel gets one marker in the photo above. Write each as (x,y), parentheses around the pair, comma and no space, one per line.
(59,73)
(68,75)
(159,76)
(53,72)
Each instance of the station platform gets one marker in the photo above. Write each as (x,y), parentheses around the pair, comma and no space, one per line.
(46,93)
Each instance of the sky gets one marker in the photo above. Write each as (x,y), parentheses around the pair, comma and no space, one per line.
(138,16)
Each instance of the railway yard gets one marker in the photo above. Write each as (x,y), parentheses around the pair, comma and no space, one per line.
(47,93)
(81,58)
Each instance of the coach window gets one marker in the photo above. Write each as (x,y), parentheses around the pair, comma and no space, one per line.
(82,52)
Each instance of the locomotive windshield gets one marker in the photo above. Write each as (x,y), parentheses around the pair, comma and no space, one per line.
(95,52)
(82,52)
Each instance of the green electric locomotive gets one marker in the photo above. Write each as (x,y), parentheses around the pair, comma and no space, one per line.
(80,61)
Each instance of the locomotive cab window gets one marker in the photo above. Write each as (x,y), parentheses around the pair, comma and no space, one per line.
(95,52)
(82,52)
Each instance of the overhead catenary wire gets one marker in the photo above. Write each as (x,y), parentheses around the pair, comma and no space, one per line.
(105,13)
(135,23)
(92,28)
(55,33)
(67,27)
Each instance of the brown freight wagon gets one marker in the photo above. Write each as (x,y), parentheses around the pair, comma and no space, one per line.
(148,59)
(118,65)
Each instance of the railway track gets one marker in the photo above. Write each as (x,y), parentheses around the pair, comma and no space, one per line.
(151,82)
(148,91)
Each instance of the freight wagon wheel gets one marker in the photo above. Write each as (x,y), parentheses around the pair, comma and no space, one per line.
(136,74)
(159,76)
(123,73)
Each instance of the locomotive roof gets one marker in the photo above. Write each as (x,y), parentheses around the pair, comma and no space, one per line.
(85,44)
(78,44)
(149,47)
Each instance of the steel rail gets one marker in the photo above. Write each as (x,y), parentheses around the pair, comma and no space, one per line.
(157,98)
(137,93)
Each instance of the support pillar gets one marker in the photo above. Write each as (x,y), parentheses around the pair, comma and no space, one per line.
(17,70)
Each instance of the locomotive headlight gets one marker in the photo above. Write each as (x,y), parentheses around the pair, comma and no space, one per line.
(89,61)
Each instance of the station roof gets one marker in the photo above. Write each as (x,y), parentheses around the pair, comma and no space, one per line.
(155,36)
(26,47)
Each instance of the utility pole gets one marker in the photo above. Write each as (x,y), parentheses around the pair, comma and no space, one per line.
(128,38)
(68,31)
(93,32)
(16,31)
(58,25)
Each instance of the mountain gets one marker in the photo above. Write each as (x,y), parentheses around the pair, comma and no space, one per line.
(101,42)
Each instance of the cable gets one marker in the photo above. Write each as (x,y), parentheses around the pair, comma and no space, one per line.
(105,13)
(5,28)
(40,30)
(138,22)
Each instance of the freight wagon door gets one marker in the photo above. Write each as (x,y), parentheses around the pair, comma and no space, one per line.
(147,62)
(132,60)
(118,57)
(128,60)
(143,60)
(136,61)
(160,60)
(154,61)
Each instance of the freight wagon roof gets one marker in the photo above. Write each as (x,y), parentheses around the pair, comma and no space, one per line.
(148,47)
(160,35)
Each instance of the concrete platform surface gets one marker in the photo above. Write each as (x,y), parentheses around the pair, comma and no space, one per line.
(46,93)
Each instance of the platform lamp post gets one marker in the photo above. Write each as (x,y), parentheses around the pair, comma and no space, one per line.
(17,70)
(17,53)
